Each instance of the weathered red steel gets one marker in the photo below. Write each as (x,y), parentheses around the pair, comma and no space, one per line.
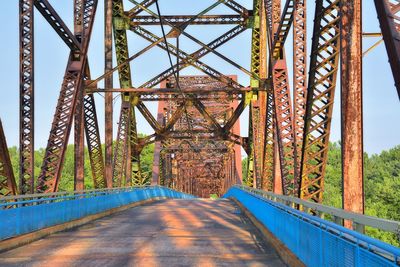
(26,106)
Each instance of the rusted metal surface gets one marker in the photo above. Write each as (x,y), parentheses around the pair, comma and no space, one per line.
(79,139)
(389,18)
(258,105)
(352,108)
(282,30)
(200,20)
(320,96)
(55,21)
(190,160)
(283,113)
(108,98)
(8,185)
(94,142)
(121,144)
(50,174)
(300,72)
(26,108)
(285,128)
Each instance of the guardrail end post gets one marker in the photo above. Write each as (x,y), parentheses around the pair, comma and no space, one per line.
(358,227)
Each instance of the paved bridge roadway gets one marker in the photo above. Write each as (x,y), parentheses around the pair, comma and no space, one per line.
(199,232)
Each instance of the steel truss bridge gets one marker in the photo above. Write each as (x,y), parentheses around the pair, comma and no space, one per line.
(196,130)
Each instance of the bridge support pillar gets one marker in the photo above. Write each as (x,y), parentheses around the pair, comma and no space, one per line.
(351,107)
(108,82)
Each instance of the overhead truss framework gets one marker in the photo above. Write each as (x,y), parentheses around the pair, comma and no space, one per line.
(288,138)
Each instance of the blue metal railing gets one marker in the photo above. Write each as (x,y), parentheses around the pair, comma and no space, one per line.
(316,242)
(25,215)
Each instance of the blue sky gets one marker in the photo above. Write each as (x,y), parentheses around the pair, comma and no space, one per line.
(381,104)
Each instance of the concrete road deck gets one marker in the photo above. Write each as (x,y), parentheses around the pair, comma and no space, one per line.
(164,233)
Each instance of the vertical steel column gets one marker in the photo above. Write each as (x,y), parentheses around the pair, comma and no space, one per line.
(285,128)
(250,156)
(137,178)
(269,142)
(277,179)
(156,171)
(108,84)
(8,185)
(299,71)
(120,25)
(79,147)
(320,96)
(26,108)
(93,141)
(237,148)
(79,141)
(120,152)
(389,19)
(277,184)
(258,50)
(352,109)
(283,114)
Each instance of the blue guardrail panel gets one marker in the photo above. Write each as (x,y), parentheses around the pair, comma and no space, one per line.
(316,242)
(41,213)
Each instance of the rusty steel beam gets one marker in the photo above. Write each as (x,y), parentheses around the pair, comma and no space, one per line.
(168,91)
(320,97)
(179,30)
(389,19)
(79,145)
(55,151)
(149,117)
(285,23)
(166,74)
(79,138)
(285,128)
(137,9)
(235,116)
(200,20)
(8,186)
(255,159)
(121,45)
(122,149)
(190,158)
(121,145)
(235,6)
(26,108)
(351,107)
(108,98)
(137,177)
(190,59)
(269,145)
(55,21)
(178,96)
(158,159)
(267,179)
(277,186)
(94,142)
(300,72)
(250,152)
(283,113)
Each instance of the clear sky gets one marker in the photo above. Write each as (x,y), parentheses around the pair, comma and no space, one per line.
(381,104)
